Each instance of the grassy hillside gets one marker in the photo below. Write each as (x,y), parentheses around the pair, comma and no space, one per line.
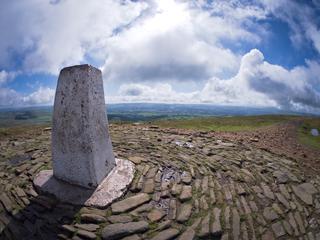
(237,123)
(304,132)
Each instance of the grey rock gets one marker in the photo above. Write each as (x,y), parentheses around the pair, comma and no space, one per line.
(267,191)
(204,184)
(132,237)
(135,159)
(76,238)
(293,223)
(152,172)
(119,230)
(267,235)
(278,229)
(281,177)
(283,200)
(172,209)
(164,225)
(81,146)
(184,212)
(87,227)
(235,224)
(186,177)
(155,215)
(287,227)
(203,203)
(148,186)
(284,191)
(86,234)
(130,203)
(167,234)
(227,217)
(120,219)
(176,189)
(188,234)
(6,202)
(68,228)
(300,223)
(216,229)
(314,132)
(143,208)
(204,231)
(270,214)
(186,193)
(92,218)
(304,192)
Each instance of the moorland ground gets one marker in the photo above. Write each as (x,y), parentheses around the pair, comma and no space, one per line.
(208,178)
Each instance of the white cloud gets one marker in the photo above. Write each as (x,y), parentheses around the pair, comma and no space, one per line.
(153,48)
(301,17)
(257,83)
(9,97)
(261,83)
(179,41)
(5,76)
(49,36)
(163,37)
(43,96)
(159,92)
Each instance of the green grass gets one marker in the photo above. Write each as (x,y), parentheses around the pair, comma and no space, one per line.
(14,131)
(237,123)
(304,134)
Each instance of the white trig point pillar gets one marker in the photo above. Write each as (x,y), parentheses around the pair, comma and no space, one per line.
(85,171)
(81,146)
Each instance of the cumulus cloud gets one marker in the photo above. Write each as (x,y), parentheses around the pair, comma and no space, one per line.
(257,83)
(9,97)
(139,40)
(159,92)
(43,96)
(6,76)
(3,77)
(288,88)
(155,49)
(178,40)
(302,18)
(47,36)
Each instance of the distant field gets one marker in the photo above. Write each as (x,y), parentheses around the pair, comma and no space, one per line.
(18,122)
(304,133)
(236,123)
(134,112)
(248,123)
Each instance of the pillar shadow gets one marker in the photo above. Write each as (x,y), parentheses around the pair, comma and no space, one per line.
(43,214)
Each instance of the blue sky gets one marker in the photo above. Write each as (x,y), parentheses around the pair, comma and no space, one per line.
(247,53)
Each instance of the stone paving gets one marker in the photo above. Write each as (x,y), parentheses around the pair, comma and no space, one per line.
(187,185)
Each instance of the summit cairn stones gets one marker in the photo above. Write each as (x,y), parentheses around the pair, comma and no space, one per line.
(85,171)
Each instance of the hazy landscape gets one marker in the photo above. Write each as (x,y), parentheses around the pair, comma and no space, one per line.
(135,112)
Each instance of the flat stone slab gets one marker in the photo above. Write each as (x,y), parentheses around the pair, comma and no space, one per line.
(119,230)
(130,203)
(305,191)
(110,189)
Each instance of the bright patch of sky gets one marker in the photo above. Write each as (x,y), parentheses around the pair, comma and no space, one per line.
(248,53)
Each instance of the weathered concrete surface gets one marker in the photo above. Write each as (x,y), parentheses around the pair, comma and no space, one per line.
(81,146)
(110,189)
